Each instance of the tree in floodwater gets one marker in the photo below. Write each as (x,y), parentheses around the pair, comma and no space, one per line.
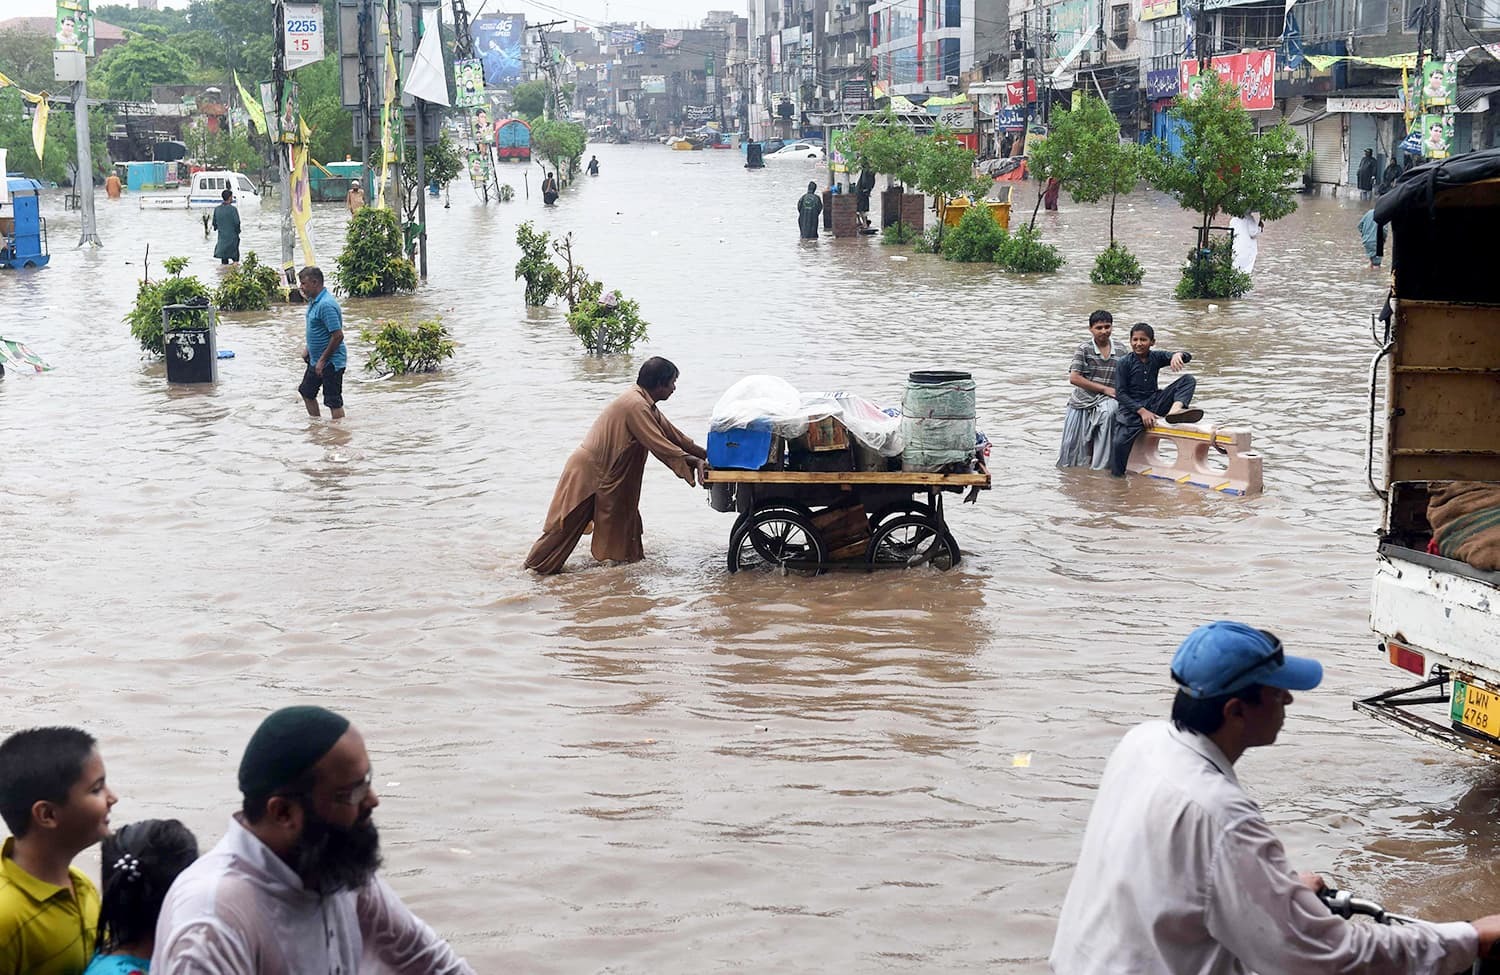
(945,169)
(1224,168)
(1085,154)
(881,144)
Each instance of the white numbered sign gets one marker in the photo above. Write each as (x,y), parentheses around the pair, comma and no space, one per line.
(303,37)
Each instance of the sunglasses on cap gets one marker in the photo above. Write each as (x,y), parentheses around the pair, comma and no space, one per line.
(1277,656)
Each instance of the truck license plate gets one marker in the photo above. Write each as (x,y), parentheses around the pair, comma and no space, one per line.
(1476,709)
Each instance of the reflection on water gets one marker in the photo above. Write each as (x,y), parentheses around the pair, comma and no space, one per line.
(662,767)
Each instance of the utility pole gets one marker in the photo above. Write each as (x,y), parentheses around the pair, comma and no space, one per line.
(554,100)
(88,234)
(280,85)
(1025,75)
(463,50)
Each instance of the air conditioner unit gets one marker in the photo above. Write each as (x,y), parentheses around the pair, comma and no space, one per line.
(951,81)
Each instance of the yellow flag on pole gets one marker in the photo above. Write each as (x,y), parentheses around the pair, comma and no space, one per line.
(252,106)
(39,127)
(387,136)
(302,203)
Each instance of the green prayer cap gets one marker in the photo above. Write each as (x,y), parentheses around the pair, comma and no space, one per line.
(287,744)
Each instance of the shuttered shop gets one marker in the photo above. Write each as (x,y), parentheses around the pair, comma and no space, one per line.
(1325,139)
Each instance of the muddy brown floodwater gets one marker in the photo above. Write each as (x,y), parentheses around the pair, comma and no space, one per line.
(663,768)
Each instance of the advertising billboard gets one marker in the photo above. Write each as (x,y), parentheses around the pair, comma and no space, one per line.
(498,41)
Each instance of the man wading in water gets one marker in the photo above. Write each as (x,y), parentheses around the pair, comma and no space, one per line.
(602,479)
(809,209)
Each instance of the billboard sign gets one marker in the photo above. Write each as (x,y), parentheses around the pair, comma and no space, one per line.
(498,41)
(1250,72)
(654,84)
(1157,9)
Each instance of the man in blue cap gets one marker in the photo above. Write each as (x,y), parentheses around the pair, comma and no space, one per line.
(1179,871)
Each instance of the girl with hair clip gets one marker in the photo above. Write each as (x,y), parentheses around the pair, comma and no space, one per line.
(138,864)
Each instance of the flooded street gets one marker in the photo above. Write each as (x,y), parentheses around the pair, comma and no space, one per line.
(663,768)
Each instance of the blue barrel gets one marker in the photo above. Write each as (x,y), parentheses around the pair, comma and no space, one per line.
(937,421)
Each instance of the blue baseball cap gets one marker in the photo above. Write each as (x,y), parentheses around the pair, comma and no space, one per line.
(1223,657)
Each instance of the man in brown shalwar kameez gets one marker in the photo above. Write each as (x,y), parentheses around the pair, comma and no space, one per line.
(601,481)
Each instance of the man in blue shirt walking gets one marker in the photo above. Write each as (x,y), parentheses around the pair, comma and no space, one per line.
(324,352)
(1141,404)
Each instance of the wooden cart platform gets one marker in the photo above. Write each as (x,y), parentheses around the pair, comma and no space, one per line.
(807,521)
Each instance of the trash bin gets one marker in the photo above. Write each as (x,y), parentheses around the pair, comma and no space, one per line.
(188,337)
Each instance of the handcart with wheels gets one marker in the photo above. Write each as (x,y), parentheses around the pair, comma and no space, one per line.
(810,521)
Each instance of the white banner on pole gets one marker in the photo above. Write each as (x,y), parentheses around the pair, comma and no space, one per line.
(302,38)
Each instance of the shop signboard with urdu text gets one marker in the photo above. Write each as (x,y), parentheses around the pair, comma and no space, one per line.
(653,84)
(1070,19)
(1251,72)
(1162,84)
(1157,9)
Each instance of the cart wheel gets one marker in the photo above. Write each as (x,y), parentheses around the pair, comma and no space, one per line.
(776,536)
(912,540)
(908,507)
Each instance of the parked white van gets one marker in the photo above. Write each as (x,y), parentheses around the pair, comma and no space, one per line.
(206,190)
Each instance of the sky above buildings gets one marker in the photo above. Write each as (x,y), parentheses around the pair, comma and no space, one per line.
(657,13)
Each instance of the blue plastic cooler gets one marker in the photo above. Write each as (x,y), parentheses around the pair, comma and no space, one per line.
(741,448)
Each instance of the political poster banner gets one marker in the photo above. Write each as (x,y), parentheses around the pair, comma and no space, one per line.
(498,41)
(1439,84)
(1437,136)
(468,82)
(74,28)
(1250,72)
(479,168)
(654,84)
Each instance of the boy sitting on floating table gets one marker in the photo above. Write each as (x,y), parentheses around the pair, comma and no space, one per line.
(1141,404)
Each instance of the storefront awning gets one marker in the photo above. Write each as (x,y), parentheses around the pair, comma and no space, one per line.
(1307,113)
(1468,96)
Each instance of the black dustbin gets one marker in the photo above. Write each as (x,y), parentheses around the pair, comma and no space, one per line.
(753,158)
(188,337)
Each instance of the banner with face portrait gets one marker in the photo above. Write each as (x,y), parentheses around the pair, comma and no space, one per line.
(1439,84)
(75,27)
(1437,136)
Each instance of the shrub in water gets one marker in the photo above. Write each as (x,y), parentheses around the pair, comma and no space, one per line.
(507,193)
(927,243)
(151,297)
(1024,252)
(372,262)
(543,278)
(249,287)
(607,324)
(400,348)
(976,238)
(1213,275)
(1116,265)
(899,232)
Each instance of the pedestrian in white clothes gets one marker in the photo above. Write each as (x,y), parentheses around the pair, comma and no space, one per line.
(1246,245)
(1179,871)
(292,888)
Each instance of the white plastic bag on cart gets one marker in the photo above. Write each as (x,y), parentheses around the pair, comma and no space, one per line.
(774,400)
(868,423)
(766,398)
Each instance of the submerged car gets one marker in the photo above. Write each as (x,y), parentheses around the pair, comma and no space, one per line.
(797,150)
